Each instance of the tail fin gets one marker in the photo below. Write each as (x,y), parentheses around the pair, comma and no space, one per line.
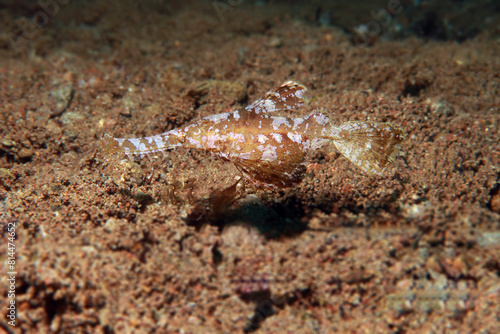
(369,145)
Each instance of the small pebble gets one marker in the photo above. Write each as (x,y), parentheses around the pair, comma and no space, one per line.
(495,203)
(25,153)
(8,143)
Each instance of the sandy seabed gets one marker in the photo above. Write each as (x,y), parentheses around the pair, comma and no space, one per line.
(109,245)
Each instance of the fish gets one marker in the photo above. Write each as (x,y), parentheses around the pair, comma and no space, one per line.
(268,149)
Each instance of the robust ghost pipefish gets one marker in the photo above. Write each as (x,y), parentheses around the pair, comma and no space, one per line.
(270,150)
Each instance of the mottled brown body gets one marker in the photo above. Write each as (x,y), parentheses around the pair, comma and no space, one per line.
(263,152)
(270,150)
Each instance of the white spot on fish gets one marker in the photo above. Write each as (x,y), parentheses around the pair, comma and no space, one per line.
(297,122)
(211,139)
(139,146)
(190,126)
(278,121)
(277,137)
(306,145)
(268,152)
(217,118)
(236,115)
(236,137)
(295,137)
(160,143)
(269,155)
(194,142)
(245,155)
(269,105)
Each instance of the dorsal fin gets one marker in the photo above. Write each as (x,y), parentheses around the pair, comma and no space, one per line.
(286,96)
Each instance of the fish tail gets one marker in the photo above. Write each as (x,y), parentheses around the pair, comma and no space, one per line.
(369,145)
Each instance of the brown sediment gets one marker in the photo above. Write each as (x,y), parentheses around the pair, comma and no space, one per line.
(105,247)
